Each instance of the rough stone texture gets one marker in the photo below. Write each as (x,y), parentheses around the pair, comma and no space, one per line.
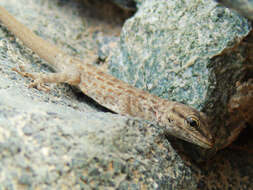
(242,101)
(193,53)
(188,53)
(244,7)
(48,145)
(62,140)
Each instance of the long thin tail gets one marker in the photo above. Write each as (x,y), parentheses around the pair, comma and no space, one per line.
(44,49)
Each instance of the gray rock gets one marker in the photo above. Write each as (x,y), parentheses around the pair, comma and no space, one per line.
(58,141)
(244,7)
(190,53)
(74,149)
(193,53)
(61,140)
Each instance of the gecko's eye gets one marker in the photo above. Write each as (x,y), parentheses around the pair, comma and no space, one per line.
(193,121)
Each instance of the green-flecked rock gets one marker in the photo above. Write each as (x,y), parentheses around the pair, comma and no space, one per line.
(187,52)
(244,7)
(60,140)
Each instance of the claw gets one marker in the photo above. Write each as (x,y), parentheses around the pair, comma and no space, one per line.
(20,72)
(37,83)
(39,86)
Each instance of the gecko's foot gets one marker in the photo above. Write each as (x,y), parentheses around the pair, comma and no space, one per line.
(40,86)
(37,79)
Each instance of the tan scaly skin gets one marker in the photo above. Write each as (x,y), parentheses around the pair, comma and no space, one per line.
(180,120)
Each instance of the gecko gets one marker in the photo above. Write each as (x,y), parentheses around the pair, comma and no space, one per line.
(179,120)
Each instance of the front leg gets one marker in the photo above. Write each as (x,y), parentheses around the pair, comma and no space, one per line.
(71,77)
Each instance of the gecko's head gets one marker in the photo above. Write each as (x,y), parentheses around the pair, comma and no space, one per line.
(189,124)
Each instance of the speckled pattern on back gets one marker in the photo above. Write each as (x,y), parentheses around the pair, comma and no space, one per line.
(187,53)
(56,141)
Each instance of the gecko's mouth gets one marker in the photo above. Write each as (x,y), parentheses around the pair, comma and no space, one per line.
(209,144)
(202,141)
(205,142)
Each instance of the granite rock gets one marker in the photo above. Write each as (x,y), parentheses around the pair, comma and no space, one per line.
(244,7)
(187,52)
(62,139)
(195,53)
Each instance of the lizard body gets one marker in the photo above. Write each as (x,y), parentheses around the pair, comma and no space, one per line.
(180,120)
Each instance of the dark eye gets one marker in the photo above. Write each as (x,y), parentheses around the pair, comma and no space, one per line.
(170,120)
(193,122)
